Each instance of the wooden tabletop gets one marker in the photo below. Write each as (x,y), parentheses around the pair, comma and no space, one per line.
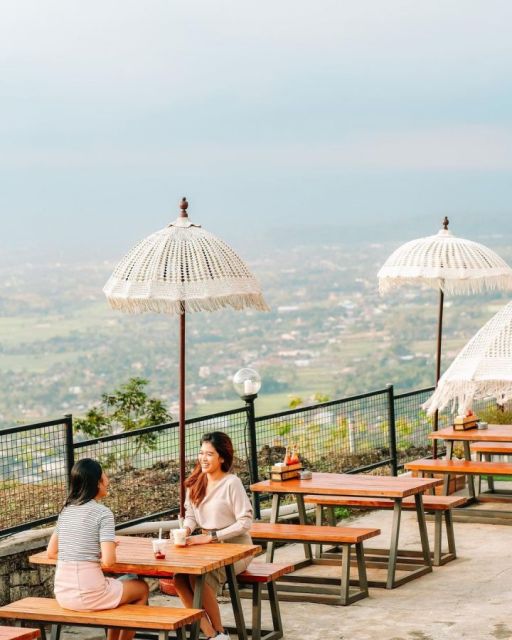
(17,633)
(494,433)
(348,484)
(135,555)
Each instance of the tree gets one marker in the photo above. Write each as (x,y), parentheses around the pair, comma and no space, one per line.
(125,409)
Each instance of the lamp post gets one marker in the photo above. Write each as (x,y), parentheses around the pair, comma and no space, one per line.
(247,383)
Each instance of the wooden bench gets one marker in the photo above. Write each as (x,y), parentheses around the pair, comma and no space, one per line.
(465,467)
(438,505)
(345,537)
(126,616)
(485,451)
(256,576)
(16,633)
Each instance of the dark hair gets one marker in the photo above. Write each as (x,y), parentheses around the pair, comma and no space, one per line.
(197,481)
(84,481)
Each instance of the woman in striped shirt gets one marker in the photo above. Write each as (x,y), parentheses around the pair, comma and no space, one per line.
(84,536)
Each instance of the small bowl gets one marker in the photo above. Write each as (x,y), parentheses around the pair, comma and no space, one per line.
(481,425)
(306,474)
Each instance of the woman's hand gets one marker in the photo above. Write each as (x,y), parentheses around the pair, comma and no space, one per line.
(202,538)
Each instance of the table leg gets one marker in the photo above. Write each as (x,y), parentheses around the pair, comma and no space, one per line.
(470,479)
(301,508)
(235,602)
(393,548)
(197,604)
(274,515)
(422,524)
(449,456)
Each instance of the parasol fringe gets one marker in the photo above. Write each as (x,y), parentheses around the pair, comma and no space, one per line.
(464,392)
(474,285)
(159,305)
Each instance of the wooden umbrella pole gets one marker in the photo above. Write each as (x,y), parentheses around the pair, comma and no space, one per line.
(182,413)
(438,361)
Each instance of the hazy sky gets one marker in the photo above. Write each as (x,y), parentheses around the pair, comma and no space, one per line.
(265,114)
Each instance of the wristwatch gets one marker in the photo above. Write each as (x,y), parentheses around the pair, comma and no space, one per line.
(213,534)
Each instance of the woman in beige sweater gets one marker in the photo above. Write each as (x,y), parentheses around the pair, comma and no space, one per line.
(216,503)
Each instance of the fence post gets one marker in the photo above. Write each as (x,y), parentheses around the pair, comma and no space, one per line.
(392,429)
(253,456)
(70,453)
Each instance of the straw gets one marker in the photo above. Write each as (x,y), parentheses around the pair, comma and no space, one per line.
(180,522)
(160,533)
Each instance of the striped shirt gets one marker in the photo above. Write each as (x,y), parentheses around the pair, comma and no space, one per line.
(80,530)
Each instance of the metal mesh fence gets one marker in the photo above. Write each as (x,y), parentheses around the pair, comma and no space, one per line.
(143,465)
(340,436)
(349,435)
(33,473)
(412,426)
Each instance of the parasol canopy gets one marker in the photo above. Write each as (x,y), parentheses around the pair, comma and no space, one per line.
(482,368)
(179,269)
(446,262)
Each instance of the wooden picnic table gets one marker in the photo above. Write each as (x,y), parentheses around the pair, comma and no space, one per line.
(493,433)
(18,633)
(347,484)
(135,555)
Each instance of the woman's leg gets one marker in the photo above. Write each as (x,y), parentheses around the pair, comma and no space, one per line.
(185,588)
(134,592)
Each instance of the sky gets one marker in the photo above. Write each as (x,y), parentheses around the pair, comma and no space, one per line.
(273,118)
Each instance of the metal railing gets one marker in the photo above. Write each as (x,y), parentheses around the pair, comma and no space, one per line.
(375,432)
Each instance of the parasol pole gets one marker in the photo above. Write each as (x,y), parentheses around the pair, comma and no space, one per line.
(446,222)
(181,429)
(181,418)
(438,361)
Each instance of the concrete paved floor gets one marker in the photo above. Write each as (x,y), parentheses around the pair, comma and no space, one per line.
(470,597)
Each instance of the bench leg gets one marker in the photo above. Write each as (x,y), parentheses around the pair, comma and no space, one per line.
(345,575)
(318,522)
(301,507)
(490,479)
(361,568)
(449,456)
(256,611)
(180,634)
(235,602)
(438,537)
(275,610)
(274,516)
(470,478)
(393,549)
(450,534)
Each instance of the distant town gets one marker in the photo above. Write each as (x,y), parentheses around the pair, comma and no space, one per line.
(329,332)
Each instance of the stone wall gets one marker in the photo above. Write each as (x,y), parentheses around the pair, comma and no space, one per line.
(19,578)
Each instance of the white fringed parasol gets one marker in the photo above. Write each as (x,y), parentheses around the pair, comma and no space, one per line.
(176,270)
(446,263)
(482,368)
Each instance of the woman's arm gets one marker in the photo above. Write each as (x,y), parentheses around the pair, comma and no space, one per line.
(189,522)
(108,553)
(52,550)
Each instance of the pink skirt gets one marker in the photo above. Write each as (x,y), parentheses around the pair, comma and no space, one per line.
(81,586)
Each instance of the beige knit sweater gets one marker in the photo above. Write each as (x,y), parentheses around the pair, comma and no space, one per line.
(225,508)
